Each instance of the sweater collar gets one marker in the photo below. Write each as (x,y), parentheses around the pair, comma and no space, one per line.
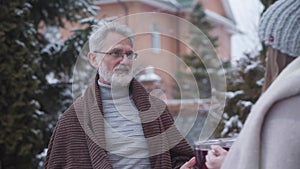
(109,92)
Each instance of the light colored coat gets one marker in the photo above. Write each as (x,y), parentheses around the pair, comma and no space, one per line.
(270,138)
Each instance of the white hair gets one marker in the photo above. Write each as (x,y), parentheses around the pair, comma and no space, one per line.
(99,33)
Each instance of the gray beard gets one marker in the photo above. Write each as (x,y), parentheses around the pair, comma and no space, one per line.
(121,80)
(115,79)
(104,74)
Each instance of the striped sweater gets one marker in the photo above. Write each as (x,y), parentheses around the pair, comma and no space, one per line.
(78,138)
(125,141)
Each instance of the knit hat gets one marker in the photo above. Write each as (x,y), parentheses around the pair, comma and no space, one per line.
(280,27)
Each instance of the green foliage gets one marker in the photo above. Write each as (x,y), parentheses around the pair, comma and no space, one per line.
(20,136)
(201,66)
(29,104)
(244,83)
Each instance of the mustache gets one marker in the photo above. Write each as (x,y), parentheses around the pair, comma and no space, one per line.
(122,68)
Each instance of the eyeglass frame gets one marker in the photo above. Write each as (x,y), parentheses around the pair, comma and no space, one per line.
(116,53)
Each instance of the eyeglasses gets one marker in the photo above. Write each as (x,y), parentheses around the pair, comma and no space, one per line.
(119,54)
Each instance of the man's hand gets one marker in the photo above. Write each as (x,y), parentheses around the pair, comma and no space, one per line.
(188,165)
(215,157)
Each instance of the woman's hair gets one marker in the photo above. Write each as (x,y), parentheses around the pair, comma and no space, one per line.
(99,33)
(279,30)
(276,61)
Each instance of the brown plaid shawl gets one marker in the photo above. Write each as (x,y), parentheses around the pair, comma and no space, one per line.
(78,138)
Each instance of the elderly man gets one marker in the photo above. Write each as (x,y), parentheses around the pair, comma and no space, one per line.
(116,123)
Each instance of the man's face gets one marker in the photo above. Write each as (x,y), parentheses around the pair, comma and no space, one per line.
(115,70)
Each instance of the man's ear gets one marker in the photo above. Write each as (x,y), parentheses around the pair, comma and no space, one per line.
(93,59)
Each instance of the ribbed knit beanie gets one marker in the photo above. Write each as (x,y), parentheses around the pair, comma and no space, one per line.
(280,27)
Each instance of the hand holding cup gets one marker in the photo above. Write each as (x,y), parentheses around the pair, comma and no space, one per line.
(211,153)
(215,157)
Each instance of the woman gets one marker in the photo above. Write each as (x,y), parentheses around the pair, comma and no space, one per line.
(270,138)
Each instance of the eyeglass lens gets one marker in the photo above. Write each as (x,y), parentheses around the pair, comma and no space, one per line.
(129,54)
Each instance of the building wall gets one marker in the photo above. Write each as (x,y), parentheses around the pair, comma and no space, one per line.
(224,37)
(165,60)
(214,5)
(223,43)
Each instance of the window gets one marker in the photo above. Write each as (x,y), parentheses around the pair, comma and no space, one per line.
(155,38)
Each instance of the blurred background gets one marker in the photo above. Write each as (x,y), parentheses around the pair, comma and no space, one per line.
(41,41)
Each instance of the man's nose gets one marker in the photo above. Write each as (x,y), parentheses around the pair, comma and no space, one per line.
(125,59)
